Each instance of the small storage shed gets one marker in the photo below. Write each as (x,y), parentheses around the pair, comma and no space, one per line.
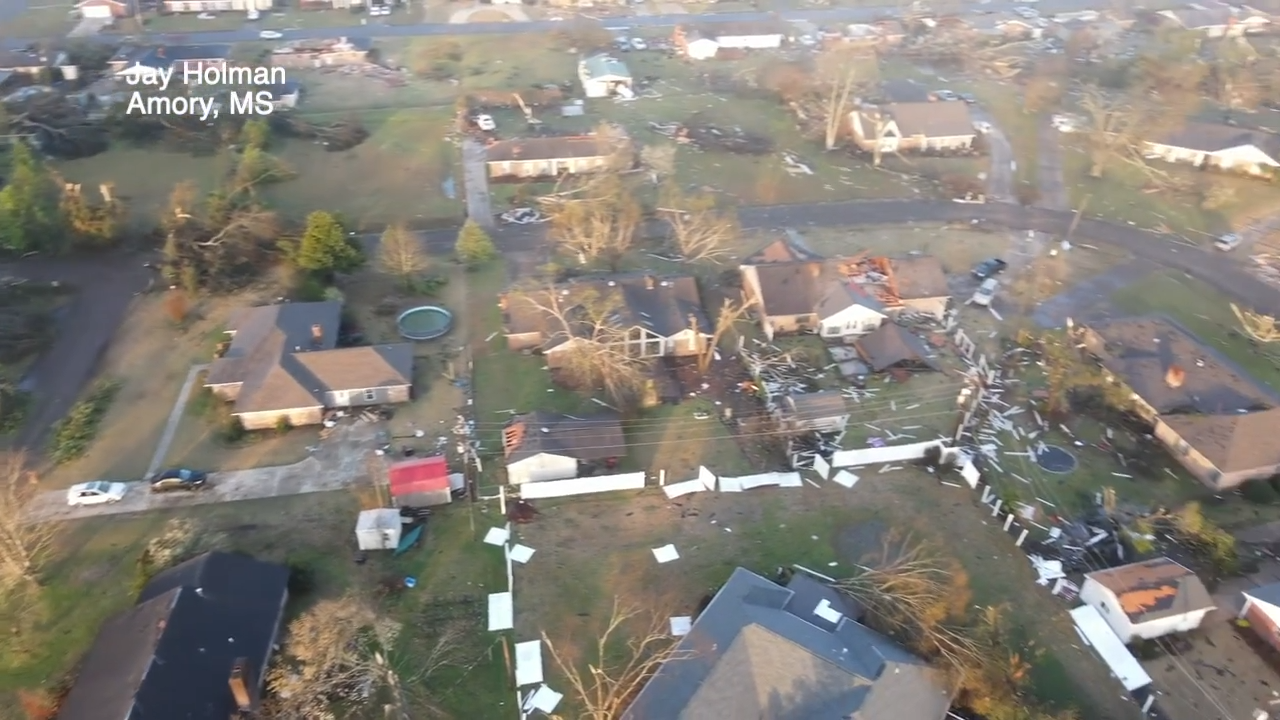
(421,482)
(378,529)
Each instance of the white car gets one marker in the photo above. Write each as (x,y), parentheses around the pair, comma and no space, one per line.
(985,293)
(807,40)
(1228,242)
(270,35)
(486,123)
(638,44)
(96,493)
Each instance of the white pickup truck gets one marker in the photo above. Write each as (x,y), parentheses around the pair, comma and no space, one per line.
(985,293)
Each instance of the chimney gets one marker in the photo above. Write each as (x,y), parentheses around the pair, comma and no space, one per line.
(317,335)
(1174,376)
(240,684)
(160,51)
(648,282)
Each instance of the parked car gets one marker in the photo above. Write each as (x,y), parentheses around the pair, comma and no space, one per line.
(945,95)
(97,492)
(178,479)
(1228,242)
(969,98)
(807,40)
(989,268)
(270,35)
(638,44)
(486,123)
(985,293)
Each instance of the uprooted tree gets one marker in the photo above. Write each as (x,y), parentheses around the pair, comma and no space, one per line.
(215,243)
(24,545)
(342,653)
(628,652)
(921,598)
(701,227)
(1117,130)
(594,349)
(596,221)
(731,311)
(1262,328)
(842,72)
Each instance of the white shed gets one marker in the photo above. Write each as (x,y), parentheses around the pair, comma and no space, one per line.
(378,529)
(701,48)
(1148,599)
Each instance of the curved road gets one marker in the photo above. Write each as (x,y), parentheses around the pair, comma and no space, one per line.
(1217,270)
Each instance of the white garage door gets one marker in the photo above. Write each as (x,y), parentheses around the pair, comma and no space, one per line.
(96,12)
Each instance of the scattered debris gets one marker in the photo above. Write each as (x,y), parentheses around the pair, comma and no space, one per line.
(666,554)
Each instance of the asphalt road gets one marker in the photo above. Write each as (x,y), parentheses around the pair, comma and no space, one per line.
(637,22)
(1218,270)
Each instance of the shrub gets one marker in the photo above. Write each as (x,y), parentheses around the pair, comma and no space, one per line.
(14,404)
(1259,492)
(309,289)
(144,568)
(283,426)
(73,434)
(232,430)
(176,306)
(302,578)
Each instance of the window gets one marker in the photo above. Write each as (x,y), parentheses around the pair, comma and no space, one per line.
(370,395)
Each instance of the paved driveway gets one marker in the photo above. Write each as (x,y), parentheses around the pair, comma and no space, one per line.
(1000,176)
(339,462)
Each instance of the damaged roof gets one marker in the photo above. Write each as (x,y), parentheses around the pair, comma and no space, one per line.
(603,66)
(1232,442)
(1154,589)
(553,148)
(931,119)
(666,306)
(595,437)
(891,345)
(762,650)
(789,288)
(284,357)
(817,405)
(919,277)
(840,294)
(1171,370)
(787,249)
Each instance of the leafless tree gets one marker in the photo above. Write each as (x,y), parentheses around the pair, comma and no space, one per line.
(400,254)
(594,347)
(626,654)
(1262,328)
(841,72)
(342,652)
(25,544)
(1117,130)
(731,312)
(598,222)
(700,228)
(660,159)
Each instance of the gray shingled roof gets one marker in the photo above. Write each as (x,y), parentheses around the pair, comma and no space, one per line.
(1215,137)
(755,652)
(594,437)
(817,405)
(1234,441)
(891,345)
(931,119)
(840,294)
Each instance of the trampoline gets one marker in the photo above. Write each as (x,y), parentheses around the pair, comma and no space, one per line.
(427,322)
(1055,459)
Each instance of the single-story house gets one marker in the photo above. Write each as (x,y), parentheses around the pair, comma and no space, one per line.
(1262,610)
(420,482)
(550,157)
(893,346)
(202,6)
(322,53)
(795,290)
(285,95)
(788,652)
(604,76)
(104,9)
(21,62)
(196,644)
(654,316)
(1214,145)
(1219,21)
(1211,415)
(542,446)
(1148,599)
(283,364)
(816,412)
(163,57)
(694,45)
(915,126)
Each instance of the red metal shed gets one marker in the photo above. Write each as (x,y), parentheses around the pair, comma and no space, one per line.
(420,482)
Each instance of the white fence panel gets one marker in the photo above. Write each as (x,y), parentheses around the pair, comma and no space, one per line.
(582,486)
(880,455)
(750,482)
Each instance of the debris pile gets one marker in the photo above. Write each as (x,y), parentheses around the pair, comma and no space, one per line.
(387,76)
(336,137)
(1267,267)
(523,216)
(710,137)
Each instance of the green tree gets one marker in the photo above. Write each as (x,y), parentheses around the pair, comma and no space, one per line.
(31,217)
(474,246)
(325,247)
(255,134)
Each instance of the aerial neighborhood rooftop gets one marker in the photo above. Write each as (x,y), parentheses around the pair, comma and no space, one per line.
(636,361)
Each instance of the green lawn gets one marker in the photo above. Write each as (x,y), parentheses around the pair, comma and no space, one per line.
(297,19)
(1205,313)
(187,23)
(38,23)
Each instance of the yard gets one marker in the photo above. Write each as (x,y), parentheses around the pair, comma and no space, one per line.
(40,22)
(590,551)
(94,572)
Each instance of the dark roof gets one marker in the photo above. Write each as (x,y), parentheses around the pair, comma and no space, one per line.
(891,345)
(169,657)
(662,305)
(1269,594)
(817,405)
(931,119)
(1232,442)
(164,56)
(1154,589)
(759,651)
(595,437)
(13,59)
(552,148)
(789,288)
(1216,137)
(840,294)
(786,249)
(281,363)
(1140,351)
(920,277)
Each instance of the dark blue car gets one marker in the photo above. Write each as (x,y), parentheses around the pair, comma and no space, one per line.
(178,479)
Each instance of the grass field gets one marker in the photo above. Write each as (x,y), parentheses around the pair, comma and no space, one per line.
(39,22)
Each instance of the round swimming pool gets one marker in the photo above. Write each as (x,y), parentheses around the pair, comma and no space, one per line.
(427,322)
(1056,460)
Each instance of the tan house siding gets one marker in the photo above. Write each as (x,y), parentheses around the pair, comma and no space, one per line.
(227,392)
(297,417)
(935,307)
(1200,466)
(548,168)
(685,344)
(367,396)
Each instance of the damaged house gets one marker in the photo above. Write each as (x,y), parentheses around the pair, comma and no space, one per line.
(544,446)
(788,652)
(1217,421)
(891,347)
(1148,599)
(913,127)
(796,290)
(604,76)
(323,53)
(652,316)
(825,412)
(283,366)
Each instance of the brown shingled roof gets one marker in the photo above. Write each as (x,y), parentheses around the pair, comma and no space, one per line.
(1154,589)
(1238,441)
(551,148)
(920,277)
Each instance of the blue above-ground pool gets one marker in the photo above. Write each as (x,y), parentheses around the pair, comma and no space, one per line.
(426,322)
